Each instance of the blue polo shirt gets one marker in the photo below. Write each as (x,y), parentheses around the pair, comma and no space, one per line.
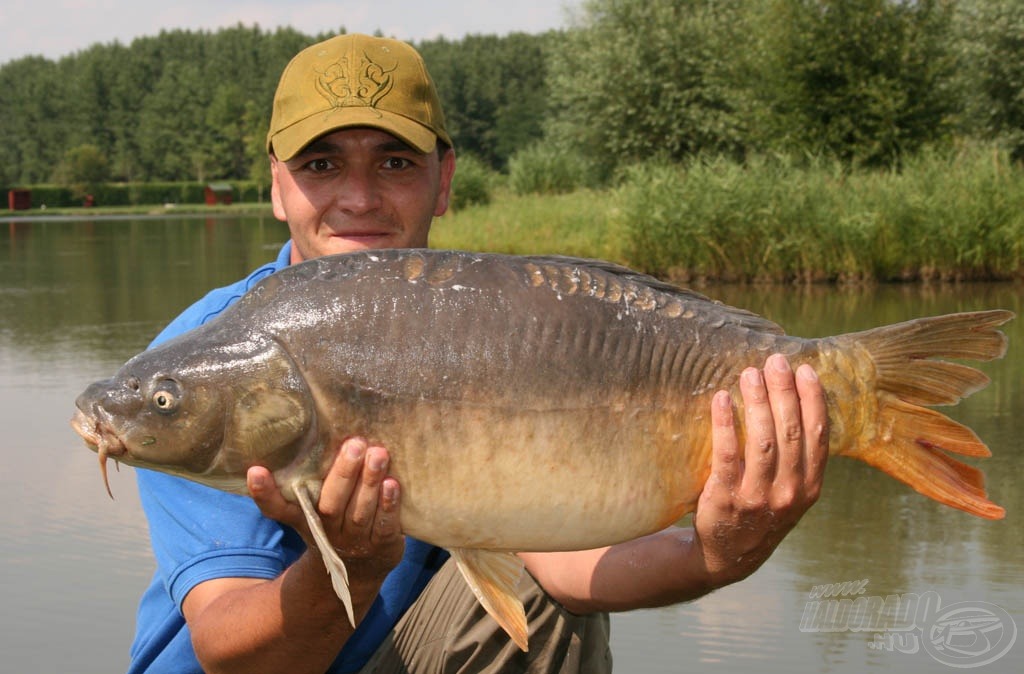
(199,533)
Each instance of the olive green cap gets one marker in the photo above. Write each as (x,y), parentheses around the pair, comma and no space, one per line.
(355,80)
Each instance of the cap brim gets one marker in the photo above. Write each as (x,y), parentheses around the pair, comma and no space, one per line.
(289,141)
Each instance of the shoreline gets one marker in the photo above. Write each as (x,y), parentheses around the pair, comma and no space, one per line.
(115,212)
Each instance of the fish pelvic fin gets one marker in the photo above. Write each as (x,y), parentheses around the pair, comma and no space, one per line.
(493,577)
(911,442)
(333,562)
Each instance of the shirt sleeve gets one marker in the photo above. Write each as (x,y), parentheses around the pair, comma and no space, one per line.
(199,534)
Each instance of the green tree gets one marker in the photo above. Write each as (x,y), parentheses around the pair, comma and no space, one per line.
(83,166)
(171,136)
(493,90)
(992,34)
(650,78)
(86,99)
(864,80)
(168,106)
(31,134)
(225,126)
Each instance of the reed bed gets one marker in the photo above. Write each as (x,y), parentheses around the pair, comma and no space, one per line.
(956,215)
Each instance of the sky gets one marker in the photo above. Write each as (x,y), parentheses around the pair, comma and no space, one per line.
(56,28)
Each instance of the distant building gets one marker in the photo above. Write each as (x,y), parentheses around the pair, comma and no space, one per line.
(218,193)
(19,200)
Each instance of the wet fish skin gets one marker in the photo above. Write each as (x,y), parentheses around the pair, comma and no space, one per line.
(569,396)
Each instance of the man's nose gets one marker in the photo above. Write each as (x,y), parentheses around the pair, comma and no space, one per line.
(359,192)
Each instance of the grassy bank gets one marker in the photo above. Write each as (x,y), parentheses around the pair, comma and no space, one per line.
(579,223)
(943,216)
(102,211)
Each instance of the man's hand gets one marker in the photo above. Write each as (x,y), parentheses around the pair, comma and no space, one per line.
(295,622)
(756,494)
(358,506)
(753,498)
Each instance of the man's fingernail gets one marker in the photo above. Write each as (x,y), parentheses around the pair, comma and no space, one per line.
(355,448)
(378,462)
(808,373)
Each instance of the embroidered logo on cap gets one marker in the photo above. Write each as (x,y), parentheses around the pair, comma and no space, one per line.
(345,86)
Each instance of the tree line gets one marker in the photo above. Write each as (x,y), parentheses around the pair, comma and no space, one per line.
(866,82)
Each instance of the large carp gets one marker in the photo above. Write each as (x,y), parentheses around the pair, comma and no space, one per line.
(570,396)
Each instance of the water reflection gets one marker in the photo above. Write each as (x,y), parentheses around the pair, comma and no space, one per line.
(78,298)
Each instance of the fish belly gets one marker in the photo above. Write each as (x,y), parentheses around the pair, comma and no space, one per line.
(541,481)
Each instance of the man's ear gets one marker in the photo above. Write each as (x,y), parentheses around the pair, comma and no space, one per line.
(275,190)
(445,189)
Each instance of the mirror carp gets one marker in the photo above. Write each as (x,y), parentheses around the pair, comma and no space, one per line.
(528,403)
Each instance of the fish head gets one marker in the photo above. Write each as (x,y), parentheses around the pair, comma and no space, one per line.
(200,411)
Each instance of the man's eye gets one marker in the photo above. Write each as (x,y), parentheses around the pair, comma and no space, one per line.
(395,163)
(318,165)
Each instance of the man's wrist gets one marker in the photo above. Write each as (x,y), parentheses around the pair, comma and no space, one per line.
(310,577)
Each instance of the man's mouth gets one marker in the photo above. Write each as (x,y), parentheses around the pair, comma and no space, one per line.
(363,236)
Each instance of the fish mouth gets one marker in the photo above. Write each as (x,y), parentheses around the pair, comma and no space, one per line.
(102,439)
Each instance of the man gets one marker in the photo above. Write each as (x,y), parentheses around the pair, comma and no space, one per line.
(360,159)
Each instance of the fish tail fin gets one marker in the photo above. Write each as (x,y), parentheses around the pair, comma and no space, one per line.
(912,452)
(911,442)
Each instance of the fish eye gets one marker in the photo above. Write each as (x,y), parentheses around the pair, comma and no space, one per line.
(165,399)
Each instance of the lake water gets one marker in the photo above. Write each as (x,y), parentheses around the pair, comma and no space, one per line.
(77,298)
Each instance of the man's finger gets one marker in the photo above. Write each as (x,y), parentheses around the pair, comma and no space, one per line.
(814,413)
(387,525)
(362,509)
(786,413)
(263,489)
(341,480)
(725,450)
(760,451)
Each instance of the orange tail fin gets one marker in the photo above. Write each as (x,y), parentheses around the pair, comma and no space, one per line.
(911,441)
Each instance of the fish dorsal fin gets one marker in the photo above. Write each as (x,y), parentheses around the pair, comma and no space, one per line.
(335,567)
(723,312)
(493,577)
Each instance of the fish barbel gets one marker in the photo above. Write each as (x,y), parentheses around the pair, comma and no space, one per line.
(571,396)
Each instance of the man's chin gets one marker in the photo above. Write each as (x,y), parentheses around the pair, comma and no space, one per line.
(339,244)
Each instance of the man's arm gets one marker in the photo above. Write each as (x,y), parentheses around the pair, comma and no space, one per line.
(754,496)
(295,622)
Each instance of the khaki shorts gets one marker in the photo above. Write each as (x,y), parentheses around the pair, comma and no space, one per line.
(446,630)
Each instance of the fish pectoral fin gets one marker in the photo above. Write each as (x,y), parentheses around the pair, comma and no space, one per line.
(493,577)
(335,566)
(268,417)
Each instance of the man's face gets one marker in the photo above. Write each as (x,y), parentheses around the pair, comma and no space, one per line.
(358,189)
